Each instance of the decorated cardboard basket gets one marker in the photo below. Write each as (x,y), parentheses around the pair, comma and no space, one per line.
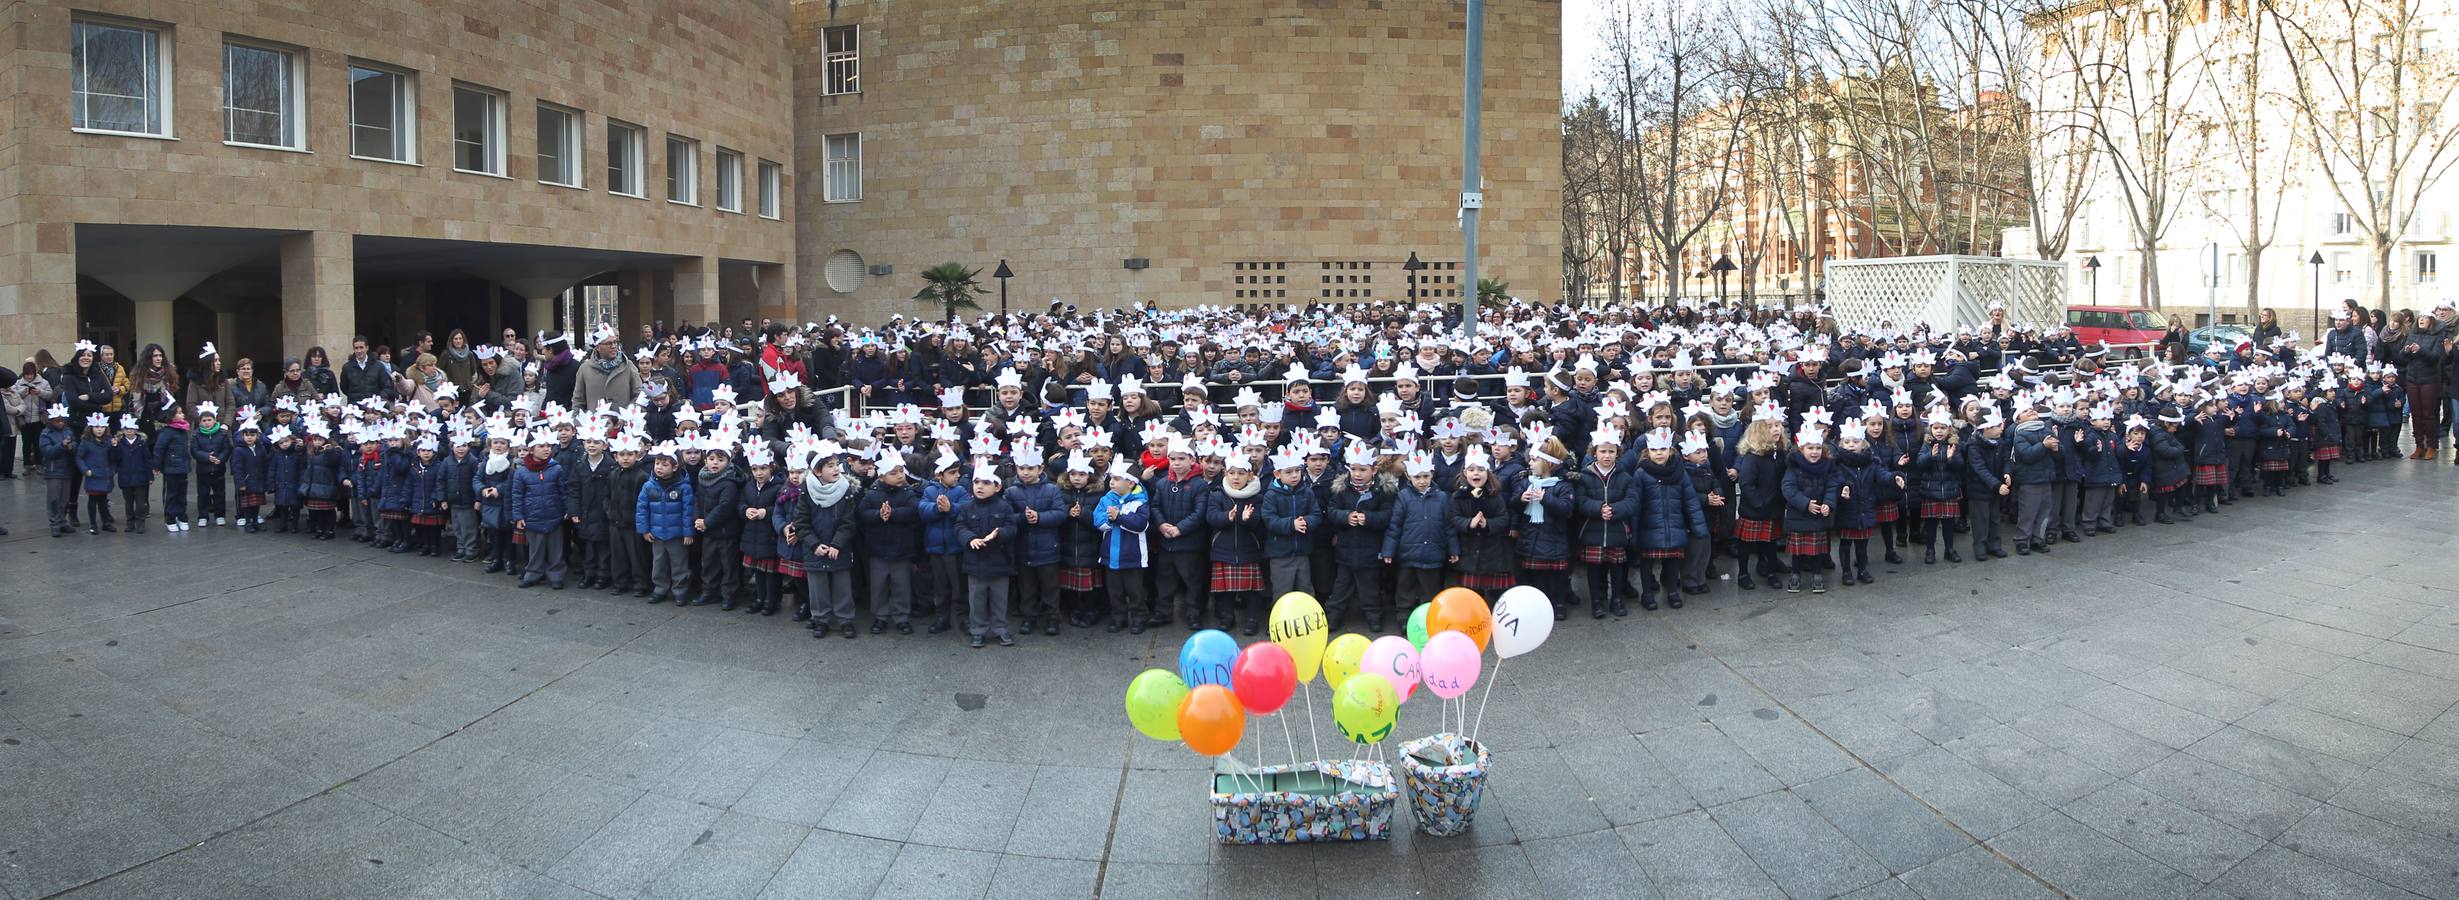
(1446,775)
(1347,800)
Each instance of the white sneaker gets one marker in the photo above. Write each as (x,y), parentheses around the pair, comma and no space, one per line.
(183,526)
(200,520)
(175,527)
(221,520)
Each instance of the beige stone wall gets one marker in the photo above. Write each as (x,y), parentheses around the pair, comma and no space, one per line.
(713,70)
(1070,135)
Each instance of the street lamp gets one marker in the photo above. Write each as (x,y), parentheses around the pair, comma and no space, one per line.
(1003,275)
(2091,267)
(1724,264)
(1701,279)
(1413,266)
(2316,261)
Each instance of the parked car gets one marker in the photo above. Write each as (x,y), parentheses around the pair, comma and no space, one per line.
(2229,335)
(2118,325)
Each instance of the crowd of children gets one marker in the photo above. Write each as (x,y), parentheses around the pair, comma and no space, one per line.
(1095,502)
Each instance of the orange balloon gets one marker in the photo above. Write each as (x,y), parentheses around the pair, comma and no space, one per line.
(1210,720)
(1462,610)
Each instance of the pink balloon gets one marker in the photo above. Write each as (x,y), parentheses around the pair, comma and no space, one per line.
(1392,657)
(1263,677)
(1451,664)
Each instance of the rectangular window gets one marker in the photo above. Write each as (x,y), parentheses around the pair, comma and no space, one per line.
(559,145)
(115,78)
(624,153)
(2340,272)
(382,122)
(772,188)
(261,96)
(729,180)
(682,170)
(843,59)
(2428,267)
(2342,223)
(478,130)
(844,168)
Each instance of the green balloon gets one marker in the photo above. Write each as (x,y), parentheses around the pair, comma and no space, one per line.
(1365,709)
(1152,703)
(1417,627)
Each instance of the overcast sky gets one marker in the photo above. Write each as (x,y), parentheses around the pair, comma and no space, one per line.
(1583,21)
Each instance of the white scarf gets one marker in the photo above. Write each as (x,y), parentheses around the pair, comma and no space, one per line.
(498,462)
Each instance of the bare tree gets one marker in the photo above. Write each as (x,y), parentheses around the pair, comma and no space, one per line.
(2136,71)
(2372,99)
(1588,139)
(2245,127)
(1668,82)
(2043,164)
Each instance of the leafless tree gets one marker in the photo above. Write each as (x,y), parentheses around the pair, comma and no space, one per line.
(2245,126)
(1588,139)
(2137,72)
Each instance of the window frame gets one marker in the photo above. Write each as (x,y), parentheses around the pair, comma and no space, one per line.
(832,84)
(405,111)
(294,101)
(772,189)
(729,182)
(2427,265)
(636,144)
(575,152)
(831,186)
(685,177)
(497,150)
(159,79)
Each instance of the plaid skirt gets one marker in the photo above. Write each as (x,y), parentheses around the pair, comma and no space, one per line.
(1079,578)
(790,568)
(248,499)
(1855,534)
(1545,565)
(2211,476)
(2167,488)
(1237,577)
(314,505)
(1604,556)
(427,519)
(759,565)
(1488,581)
(2272,465)
(2326,454)
(393,515)
(1942,509)
(1661,553)
(1754,530)
(1889,512)
(1805,543)
(521,536)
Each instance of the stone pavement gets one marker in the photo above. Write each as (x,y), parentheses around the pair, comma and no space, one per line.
(2258,705)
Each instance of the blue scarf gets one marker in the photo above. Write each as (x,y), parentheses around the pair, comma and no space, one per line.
(1536,508)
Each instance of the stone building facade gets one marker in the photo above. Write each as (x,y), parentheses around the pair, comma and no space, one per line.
(1123,151)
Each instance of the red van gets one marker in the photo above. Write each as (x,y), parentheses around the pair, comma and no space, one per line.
(2116,324)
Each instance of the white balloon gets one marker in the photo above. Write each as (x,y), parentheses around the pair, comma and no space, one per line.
(1523,619)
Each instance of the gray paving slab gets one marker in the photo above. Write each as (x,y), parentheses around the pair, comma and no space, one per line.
(1689,855)
(1974,800)
(2169,833)
(1799,850)
(636,847)
(1597,864)
(1975,873)
(2087,864)
(2224,794)
(2029,765)
(831,864)
(2378,850)
(2278,873)
(1708,764)
(1886,823)
(735,856)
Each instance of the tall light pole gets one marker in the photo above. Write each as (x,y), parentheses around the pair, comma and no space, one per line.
(1724,264)
(1413,266)
(2091,267)
(2316,262)
(2212,258)
(1003,275)
(1472,196)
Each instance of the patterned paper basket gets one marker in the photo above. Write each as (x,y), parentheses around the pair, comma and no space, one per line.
(1347,800)
(1444,798)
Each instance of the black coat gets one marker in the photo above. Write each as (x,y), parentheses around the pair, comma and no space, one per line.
(1358,545)
(1595,492)
(1484,548)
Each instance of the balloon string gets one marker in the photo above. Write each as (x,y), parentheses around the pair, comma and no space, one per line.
(1283,715)
(1491,678)
(1317,742)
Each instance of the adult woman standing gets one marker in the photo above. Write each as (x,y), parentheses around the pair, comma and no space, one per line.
(246,390)
(457,360)
(39,382)
(418,383)
(2267,329)
(296,385)
(316,368)
(207,385)
(86,384)
(157,386)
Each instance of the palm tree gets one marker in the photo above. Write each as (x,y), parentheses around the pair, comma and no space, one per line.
(950,285)
(1491,290)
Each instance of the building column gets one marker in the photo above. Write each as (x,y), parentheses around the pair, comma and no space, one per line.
(153,320)
(696,284)
(637,304)
(38,289)
(541,316)
(776,293)
(226,336)
(319,287)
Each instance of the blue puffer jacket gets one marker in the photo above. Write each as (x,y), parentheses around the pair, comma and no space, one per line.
(1545,534)
(204,449)
(1759,479)
(1594,493)
(1807,482)
(1861,473)
(1179,503)
(1284,505)
(664,508)
(367,475)
(897,539)
(1938,472)
(718,503)
(94,462)
(1358,545)
(491,509)
(1420,535)
(133,462)
(2031,461)
(996,519)
(939,528)
(394,490)
(426,490)
(1669,515)
(286,476)
(248,469)
(1038,545)
(172,447)
(541,499)
(452,475)
(1234,535)
(817,526)
(322,478)
(2104,461)
(760,538)
(59,452)
(1985,465)
(1123,520)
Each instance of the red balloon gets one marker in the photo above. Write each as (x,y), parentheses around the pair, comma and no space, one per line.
(1264,676)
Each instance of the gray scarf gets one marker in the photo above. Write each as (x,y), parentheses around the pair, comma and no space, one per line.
(827,493)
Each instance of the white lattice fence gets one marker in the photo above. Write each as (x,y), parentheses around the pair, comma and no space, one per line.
(1943,291)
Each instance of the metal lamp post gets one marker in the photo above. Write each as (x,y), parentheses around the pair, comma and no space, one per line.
(2091,267)
(1413,266)
(1724,264)
(2316,261)
(1003,275)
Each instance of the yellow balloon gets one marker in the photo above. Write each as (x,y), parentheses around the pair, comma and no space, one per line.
(1342,657)
(1365,710)
(1299,627)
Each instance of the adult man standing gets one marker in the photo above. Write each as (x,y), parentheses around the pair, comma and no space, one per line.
(362,375)
(605,375)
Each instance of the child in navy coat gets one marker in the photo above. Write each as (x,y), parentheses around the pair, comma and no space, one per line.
(1812,487)
(1859,476)
(133,461)
(57,446)
(173,457)
(211,450)
(1420,540)
(248,471)
(1668,520)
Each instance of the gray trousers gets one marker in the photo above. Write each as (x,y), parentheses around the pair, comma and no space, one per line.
(2034,510)
(832,595)
(60,500)
(2096,501)
(1981,510)
(986,607)
(2070,506)
(670,566)
(1695,561)
(546,556)
(364,510)
(1288,573)
(892,589)
(465,531)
